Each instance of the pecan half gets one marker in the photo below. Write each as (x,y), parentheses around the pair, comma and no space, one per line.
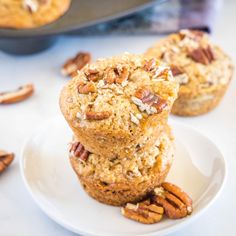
(151,99)
(86,88)
(77,63)
(78,150)
(18,95)
(202,55)
(92,115)
(5,160)
(143,212)
(176,203)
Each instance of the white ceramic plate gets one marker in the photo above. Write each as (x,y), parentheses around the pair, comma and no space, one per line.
(199,168)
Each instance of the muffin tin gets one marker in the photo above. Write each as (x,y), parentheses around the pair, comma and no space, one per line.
(82,13)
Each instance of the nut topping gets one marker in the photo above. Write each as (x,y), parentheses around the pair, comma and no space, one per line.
(176,70)
(92,75)
(143,212)
(78,150)
(86,88)
(110,76)
(202,55)
(92,115)
(18,95)
(77,63)
(5,160)
(192,34)
(122,75)
(176,203)
(150,65)
(31,5)
(151,99)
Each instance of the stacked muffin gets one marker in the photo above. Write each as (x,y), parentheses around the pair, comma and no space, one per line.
(118,110)
(203,70)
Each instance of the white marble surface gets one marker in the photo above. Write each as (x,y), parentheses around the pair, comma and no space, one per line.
(19,215)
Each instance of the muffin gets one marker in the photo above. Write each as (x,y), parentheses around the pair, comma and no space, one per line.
(20,14)
(202,69)
(119,105)
(116,181)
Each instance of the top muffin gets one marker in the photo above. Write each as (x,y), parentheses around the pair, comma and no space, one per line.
(116,101)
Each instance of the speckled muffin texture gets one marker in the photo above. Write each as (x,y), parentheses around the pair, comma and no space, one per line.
(20,14)
(202,69)
(117,181)
(119,105)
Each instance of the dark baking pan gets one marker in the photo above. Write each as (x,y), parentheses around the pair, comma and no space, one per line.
(82,13)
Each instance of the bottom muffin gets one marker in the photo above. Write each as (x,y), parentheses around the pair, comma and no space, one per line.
(117,181)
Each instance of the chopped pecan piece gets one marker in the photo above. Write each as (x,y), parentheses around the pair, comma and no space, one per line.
(110,76)
(193,34)
(77,63)
(122,75)
(86,88)
(202,55)
(176,203)
(5,160)
(92,75)
(78,150)
(31,5)
(151,99)
(143,212)
(92,115)
(150,65)
(18,95)
(176,70)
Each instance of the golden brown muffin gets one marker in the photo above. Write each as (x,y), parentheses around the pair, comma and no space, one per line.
(20,14)
(118,105)
(117,181)
(202,69)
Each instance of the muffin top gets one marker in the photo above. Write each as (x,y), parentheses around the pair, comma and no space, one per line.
(118,94)
(196,63)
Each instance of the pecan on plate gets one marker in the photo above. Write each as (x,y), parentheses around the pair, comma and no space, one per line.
(78,150)
(144,212)
(176,203)
(77,63)
(202,55)
(18,95)
(5,160)
(151,99)
(93,115)
(85,88)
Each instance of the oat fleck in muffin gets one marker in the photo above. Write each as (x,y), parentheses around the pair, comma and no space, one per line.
(116,181)
(202,69)
(119,105)
(20,14)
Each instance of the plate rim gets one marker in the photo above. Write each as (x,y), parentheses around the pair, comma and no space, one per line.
(165,231)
